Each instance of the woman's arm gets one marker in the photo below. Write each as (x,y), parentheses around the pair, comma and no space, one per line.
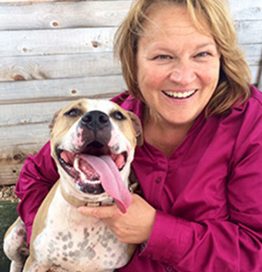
(36,178)
(232,242)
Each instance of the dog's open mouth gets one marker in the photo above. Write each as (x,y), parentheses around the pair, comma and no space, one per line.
(97,170)
(79,166)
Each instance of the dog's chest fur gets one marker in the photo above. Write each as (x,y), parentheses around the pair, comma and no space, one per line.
(77,242)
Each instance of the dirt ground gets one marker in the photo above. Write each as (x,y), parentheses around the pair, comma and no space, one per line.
(7,193)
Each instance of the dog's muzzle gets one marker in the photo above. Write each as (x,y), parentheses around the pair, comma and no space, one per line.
(91,162)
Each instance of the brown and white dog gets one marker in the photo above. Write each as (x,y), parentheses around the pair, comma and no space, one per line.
(92,143)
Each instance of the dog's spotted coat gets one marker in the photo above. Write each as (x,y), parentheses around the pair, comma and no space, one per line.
(64,240)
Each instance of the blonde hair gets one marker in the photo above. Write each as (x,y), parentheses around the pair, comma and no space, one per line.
(234,81)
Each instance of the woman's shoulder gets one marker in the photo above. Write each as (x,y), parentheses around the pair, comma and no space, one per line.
(252,106)
(244,118)
(120,98)
(256,95)
(128,102)
(248,116)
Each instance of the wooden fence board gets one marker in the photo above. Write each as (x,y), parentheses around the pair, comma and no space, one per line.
(58,66)
(18,92)
(62,14)
(16,144)
(76,41)
(246,10)
(56,42)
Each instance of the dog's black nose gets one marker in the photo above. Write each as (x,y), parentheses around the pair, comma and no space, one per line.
(95,120)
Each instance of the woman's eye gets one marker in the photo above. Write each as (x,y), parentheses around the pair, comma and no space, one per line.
(73,112)
(202,54)
(162,57)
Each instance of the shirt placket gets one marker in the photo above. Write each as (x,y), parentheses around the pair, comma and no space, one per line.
(158,182)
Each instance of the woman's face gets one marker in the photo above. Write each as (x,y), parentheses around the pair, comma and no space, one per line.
(178,66)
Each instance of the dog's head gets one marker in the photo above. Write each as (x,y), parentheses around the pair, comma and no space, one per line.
(93,143)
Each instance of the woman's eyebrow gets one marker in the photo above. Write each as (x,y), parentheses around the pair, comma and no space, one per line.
(205,45)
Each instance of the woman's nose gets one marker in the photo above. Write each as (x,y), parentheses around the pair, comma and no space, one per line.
(183,73)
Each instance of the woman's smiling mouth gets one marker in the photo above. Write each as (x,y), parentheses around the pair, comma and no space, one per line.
(180,95)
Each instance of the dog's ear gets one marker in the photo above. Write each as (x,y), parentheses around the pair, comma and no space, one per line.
(138,128)
(51,125)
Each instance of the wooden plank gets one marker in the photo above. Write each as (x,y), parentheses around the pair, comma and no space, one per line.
(16,144)
(25,140)
(22,138)
(246,10)
(26,43)
(60,89)
(20,141)
(252,53)
(59,66)
(9,172)
(259,76)
(29,2)
(255,74)
(52,42)
(67,88)
(78,65)
(31,113)
(28,113)
(66,14)
(88,40)
(61,14)
(11,164)
(249,31)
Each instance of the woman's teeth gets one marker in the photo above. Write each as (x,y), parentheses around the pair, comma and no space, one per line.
(180,95)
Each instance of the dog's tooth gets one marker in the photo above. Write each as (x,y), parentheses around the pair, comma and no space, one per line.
(76,163)
(85,181)
(77,168)
(108,202)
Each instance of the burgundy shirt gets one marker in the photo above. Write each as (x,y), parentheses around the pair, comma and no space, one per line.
(208,193)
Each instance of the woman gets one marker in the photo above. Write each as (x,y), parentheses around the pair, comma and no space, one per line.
(200,164)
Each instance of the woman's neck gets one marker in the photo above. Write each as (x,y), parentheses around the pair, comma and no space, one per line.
(164,136)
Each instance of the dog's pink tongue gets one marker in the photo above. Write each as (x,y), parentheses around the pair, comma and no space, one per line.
(111,180)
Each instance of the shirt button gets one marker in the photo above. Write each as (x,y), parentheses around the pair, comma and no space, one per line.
(169,269)
(158,180)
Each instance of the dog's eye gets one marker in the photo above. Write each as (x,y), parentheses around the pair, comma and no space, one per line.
(118,115)
(73,112)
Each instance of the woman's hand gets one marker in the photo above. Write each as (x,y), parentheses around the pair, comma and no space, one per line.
(132,227)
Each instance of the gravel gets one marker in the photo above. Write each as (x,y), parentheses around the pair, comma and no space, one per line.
(7,193)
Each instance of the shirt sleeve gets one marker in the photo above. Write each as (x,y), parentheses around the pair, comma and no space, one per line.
(36,178)
(230,244)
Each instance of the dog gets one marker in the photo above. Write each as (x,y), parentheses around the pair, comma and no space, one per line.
(92,142)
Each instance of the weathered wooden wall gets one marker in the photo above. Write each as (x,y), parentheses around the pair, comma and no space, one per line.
(55,51)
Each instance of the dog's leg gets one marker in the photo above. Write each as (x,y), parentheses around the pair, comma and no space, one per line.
(16,267)
(32,265)
(15,247)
